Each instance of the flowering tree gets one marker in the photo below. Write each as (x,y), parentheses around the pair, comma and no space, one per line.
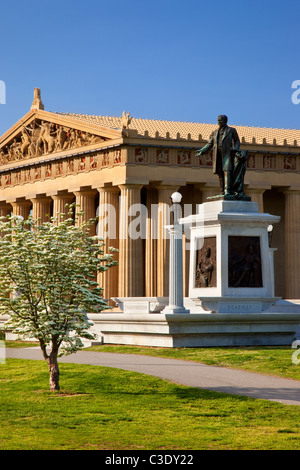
(48,282)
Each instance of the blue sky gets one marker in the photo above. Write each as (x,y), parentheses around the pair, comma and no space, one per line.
(174,60)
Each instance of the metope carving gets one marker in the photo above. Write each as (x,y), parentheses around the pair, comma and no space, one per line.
(183,157)
(206,159)
(269,162)
(162,156)
(141,155)
(289,163)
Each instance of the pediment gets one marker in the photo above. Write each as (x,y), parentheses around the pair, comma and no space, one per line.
(42,133)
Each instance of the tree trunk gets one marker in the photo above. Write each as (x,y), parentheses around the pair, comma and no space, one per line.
(54,372)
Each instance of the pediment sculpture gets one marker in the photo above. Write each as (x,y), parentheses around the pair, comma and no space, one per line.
(42,138)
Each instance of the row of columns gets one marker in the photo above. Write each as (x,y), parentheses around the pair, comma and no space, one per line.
(292,240)
(291,221)
(143,264)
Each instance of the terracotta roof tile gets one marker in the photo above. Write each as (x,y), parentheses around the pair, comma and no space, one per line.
(246,134)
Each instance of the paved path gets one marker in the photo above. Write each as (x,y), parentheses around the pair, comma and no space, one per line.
(193,374)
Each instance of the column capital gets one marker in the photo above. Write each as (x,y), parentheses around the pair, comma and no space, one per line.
(39,198)
(87,192)
(291,191)
(63,196)
(23,203)
(131,186)
(108,189)
(256,190)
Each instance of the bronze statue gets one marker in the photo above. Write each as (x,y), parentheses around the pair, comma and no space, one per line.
(229,163)
(239,170)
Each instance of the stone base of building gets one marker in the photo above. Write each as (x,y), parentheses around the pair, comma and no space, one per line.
(276,327)
(279,326)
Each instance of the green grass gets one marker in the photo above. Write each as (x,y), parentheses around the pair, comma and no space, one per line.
(21,344)
(103,408)
(265,360)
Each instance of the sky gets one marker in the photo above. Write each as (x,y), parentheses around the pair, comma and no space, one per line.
(165,59)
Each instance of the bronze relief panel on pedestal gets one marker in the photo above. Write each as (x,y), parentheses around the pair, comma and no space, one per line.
(206,263)
(244,262)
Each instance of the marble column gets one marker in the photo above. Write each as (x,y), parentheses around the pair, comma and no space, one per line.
(60,201)
(41,208)
(131,253)
(256,195)
(292,240)
(85,202)
(163,242)
(108,230)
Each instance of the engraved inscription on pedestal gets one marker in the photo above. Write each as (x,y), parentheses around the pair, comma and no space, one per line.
(244,262)
(206,264)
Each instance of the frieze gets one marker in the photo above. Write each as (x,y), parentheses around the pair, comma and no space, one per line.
(42,138)
(50,170)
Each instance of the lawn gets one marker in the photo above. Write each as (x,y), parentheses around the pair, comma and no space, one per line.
(102,408)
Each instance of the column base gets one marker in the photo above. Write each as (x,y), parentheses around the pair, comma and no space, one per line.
(170,309)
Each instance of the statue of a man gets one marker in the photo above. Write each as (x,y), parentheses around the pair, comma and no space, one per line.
(225,143)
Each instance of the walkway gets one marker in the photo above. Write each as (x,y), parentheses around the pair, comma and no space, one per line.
(188,373)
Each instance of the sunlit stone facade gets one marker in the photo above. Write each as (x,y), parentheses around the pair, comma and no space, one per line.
(49,159)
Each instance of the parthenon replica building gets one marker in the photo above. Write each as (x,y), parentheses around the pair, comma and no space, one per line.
(48,159)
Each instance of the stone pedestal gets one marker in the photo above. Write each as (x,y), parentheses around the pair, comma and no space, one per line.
(231,268)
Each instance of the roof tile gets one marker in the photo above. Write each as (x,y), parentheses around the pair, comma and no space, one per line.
(246,133)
